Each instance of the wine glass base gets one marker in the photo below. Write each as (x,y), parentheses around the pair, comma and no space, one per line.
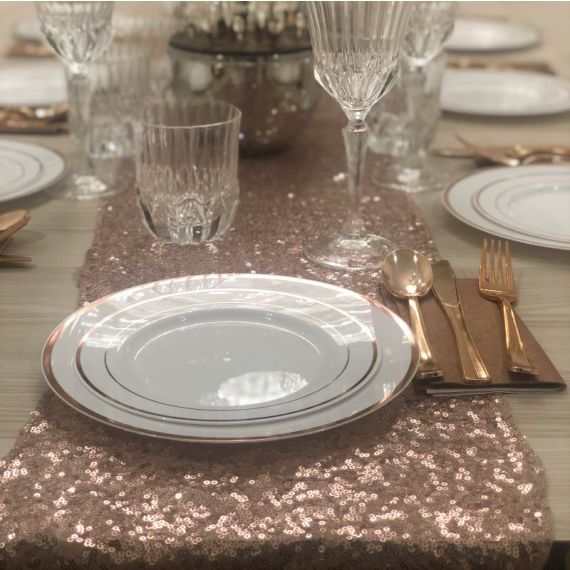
(85,187)
(350,253)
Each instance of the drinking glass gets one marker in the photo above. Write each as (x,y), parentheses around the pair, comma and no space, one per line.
(120,80)
(356,46)
(430,24)
(78,32)
(154,32)
(186,157)
(402,137)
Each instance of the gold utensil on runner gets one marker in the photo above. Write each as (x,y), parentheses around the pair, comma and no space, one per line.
(11,222)
(497,283)
(525,153)
(4,258)
(445,289)
(469,63)
(499,157)
(408,275)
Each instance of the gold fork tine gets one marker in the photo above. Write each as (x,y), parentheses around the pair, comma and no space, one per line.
(500,287)
(500,270)
(492,261)
(510,276)
(483,266)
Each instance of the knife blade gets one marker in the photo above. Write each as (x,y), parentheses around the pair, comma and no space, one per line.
(445,289)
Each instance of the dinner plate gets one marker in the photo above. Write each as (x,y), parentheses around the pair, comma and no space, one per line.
(283,351)
(490,34)
(40,168)
(398,362)
(503,93)
(32,84)
(17,170)
(458,199)
(537,205)
(29,30)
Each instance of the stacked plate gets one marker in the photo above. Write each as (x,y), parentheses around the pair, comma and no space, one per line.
(32,84)
(475,34)
(230,358)
(529,204)
(504,93)
(27,168)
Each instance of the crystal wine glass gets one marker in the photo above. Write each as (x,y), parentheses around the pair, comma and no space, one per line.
(430,24)
(356,46)
(78,32)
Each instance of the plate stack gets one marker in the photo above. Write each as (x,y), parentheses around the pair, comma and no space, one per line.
(528,204)
(26,169)
(230,358)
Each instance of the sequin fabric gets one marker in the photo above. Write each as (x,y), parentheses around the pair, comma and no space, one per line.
(422,483)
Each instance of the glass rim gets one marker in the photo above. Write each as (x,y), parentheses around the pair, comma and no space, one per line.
(205,125)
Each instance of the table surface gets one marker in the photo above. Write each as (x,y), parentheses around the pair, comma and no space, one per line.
(34,299)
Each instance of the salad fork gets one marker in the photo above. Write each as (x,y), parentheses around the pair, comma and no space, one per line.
(497,283)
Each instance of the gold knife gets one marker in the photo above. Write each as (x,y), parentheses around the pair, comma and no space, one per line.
(445,289)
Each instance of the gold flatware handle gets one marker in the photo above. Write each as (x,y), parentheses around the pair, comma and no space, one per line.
(454,152)
(427,367)
(472,365)
(4,258)
(517,359)
(468,63)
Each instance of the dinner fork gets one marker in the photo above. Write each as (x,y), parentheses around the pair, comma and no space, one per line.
(497,283)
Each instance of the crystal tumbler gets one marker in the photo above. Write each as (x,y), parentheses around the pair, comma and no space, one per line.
(402,135)
(186,157)
(119,81)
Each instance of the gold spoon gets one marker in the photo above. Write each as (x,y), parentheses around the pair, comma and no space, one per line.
(408,275)
(11,222)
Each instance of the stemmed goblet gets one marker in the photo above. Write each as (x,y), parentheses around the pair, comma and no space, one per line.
(78,32)
(356,47)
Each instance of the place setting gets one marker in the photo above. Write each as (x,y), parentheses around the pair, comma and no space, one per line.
(271,361)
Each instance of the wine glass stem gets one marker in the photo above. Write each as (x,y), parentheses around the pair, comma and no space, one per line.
(415,82)
(79,94)
(355,136)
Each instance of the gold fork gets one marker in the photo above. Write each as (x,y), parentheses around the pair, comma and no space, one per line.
(498,284)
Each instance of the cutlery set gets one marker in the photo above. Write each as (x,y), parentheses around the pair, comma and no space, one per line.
(34,120)
(10,223)
(409,275)
(515,155)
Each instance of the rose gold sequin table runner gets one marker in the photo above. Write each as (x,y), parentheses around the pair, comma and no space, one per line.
(423,483)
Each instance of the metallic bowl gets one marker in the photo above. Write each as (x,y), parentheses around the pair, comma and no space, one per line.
(276,92)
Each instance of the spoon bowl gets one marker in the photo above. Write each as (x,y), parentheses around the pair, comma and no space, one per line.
(407,273)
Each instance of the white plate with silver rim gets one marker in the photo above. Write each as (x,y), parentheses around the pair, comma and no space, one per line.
(32,84)
(17,170)
(503,93)
(41,168)
(535,204)
(398,362)
(472,33)
(458,199)
(279,352)
(29,30)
